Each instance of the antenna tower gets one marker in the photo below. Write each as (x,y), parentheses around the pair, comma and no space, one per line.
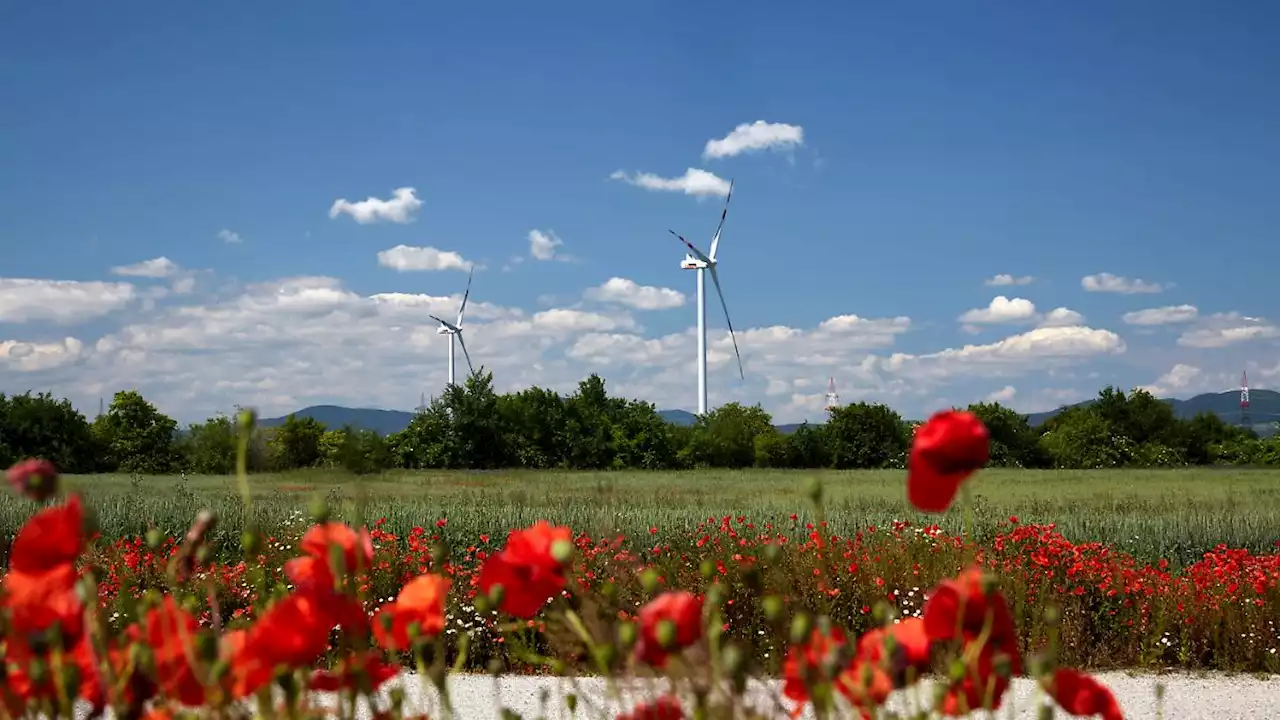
(422,403)
(833,400)
(1245,420)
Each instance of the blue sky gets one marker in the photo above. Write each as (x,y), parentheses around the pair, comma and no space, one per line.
(916,153)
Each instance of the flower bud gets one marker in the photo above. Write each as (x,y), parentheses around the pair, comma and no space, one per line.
(482,604)
(771,553)
(801,626)
(1052,616)
(246,420)
(35,478)
(495,666)
(813,488)
(1045,712)
(606,655)
(571,702)
(562,551)
(956,670)
(715,595)
(735,664)
(496,594)
(320,512)
(250,542)
(154,538)
(707,569)
(626,635)
(666,634)
(609,591)
(649,580)
(772,606)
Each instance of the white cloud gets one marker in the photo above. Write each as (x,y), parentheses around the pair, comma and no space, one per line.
(399,209)
(1223,329)
(1106,282)
(1167,315)
(641,297)
(1179,378)
(752,137)
(405,258)
(1006,279)
(161,267)
(231,237)
(698,183)
(1002,310)
(1059,317)
(1003,396)
(1035,349)
(544,245)
(60,301)
(33,357)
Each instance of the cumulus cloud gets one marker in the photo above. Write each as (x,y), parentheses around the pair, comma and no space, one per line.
(34,356)
(698,183)
(161,267)
(1179,379)
(1034,349)
(1003,396)
(1001,310)
(406,258)
(1006,279)
(544,245)
(60,301)
(1059,317)
(230,237)
(630,293)
(399,209)
(1168,315)
(753,137)
(1223,329)
(1108,283)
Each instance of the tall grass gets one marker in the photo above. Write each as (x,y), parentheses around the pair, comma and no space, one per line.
(1177,515)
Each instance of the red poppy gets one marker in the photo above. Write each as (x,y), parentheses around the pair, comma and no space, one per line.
(39,587)
(52,537)
(911,650)
(35,478)
(1080,694)
(806,661)
(945,451)
(171,633)
(962,609)
(293,632)
(683,610)
(663,708)
(420,603)
(527,569)
(365,672)
(354,550)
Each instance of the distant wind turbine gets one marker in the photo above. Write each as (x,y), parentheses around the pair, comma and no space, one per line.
(454,330)
(702,262)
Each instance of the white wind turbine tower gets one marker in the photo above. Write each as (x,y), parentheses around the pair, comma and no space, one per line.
(454,330)
(702,262)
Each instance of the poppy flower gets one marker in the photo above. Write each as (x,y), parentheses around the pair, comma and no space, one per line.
(35,478)
(805,663)
(354,550)
(1080,694)
(683,610)
(962,608)
(52,537)
(171,633)
(663,708)
(911,650)
(420,603)
(945,451)
(365,672)
(527,569)
(293,632)
(39,587)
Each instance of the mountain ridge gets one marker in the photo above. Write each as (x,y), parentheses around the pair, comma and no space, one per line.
(1264,410)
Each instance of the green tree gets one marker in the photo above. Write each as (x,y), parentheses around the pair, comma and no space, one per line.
(363,452)
(40,426)
(210,447)
(136,437)
(589,429)
(641,438)
(775,450)
(1081,439)
(726,436)
(427,442)
(296,443)
(1013,442)
(537,421)
(479,438)
(866,435)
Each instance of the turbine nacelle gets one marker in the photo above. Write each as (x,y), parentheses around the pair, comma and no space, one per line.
(692,263)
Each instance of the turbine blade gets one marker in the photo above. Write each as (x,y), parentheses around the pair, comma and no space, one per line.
(715,240)
(433,317)
(698,253)
(715,278)
(465,295)
(465,354)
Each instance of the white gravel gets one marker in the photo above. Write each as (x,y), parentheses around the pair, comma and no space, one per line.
(1186,697)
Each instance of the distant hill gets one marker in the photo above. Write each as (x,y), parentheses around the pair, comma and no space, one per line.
(1264,409)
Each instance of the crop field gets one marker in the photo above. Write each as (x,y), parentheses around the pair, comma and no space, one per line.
(1176,515)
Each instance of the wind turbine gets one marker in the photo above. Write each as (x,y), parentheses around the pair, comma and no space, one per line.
(702,262)
(454,330)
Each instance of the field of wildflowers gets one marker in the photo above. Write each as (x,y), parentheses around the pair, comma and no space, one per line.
(845,619)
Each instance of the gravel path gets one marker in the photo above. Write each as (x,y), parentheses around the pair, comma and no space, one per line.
(1187,697)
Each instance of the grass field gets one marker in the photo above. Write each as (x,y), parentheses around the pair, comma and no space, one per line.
(1172,514)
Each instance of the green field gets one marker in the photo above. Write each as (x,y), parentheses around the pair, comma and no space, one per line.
(1174,514)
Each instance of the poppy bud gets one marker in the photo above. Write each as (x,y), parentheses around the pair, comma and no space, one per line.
(666,634)
(1045,712)
(715,595)
(609,591)
(495,666)
(956,670)
(154,538)
(482,604)
(735,664)
(35,478)
(772,552)
(440,554)
(607,654)
(772,605)
(496,594)
(813,488)
(626,634)
(246,420)
(707,569)
(649,580)
(801,625)
(1052,616)
(562,551)
(320,512)
(250,542)
(397,700)
(571,702)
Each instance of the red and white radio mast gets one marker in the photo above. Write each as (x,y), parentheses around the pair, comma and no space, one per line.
(833,400)
(1245,420)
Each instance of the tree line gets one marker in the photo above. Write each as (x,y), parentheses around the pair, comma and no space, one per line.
(472,426)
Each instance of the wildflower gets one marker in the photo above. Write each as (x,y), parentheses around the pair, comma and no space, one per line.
(420,604)
(946,450)
(681,613)
(664,708)
(170,632)
(365,671)
(40,585)
(528,568)
(965,608)
(35,478)
(1080,694)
